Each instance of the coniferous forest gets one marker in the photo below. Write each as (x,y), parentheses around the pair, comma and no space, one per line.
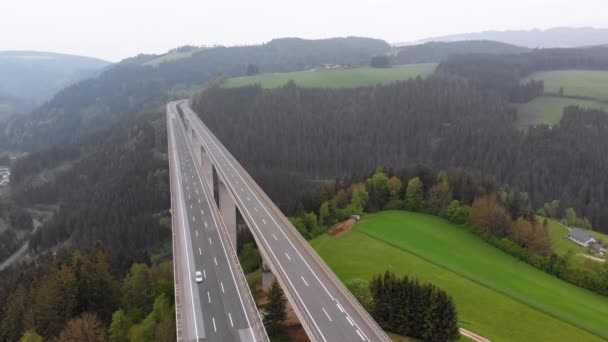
(327,133)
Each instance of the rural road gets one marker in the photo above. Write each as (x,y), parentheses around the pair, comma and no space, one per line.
(21,251)
(473,335)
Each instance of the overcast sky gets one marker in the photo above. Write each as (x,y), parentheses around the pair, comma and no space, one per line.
(116,29)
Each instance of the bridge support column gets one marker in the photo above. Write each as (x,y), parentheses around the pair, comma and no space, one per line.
(206,166)
(267,276)
(228,211)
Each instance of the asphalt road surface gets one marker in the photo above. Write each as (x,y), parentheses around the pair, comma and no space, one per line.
(326,309)
(215,308)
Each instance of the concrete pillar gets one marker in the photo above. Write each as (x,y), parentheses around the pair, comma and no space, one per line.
(228,211)
(207,167)
(267,276)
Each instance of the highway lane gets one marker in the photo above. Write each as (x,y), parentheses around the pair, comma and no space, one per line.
(216,305)
(326,309)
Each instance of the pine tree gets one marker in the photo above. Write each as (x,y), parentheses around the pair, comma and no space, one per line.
(275,309)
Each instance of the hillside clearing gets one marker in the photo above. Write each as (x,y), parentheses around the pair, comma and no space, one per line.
(496,295)
(588,83)
(336,78)
(549,109)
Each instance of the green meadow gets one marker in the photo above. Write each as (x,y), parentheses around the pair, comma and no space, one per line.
(336,78)
(496,295)
(549,109)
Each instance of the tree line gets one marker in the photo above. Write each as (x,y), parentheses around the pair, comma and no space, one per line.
(502,217)
(306,136)
(87,295)
(407,307)
(131,87)
(500,74)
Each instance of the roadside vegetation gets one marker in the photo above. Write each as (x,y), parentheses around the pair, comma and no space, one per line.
(336,78)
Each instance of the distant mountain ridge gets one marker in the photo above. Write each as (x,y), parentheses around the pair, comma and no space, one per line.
(132,86)
(439,51)
(32,77)
(558,37)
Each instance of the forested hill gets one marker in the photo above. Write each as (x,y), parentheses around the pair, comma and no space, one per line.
(135,85)
(31,77)
(439,51)
(557,37)
(501,74)
(112,187)
(326,133)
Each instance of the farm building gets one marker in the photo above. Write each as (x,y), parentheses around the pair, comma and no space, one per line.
(581,237)
(598,247)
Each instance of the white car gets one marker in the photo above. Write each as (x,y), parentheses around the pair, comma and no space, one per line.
(198,277)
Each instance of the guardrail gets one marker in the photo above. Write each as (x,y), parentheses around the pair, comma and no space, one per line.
(354,303)
(231,252)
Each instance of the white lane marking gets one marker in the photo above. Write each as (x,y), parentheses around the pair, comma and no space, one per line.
(222,285)
(275,237)
(199,200)
(214,327)
(197,192)
(263,221)
(256,209)
(242,190)
(358,333)
(211,243)
(340,307)
(275,257)
(196,231)
(193,219)
(206,224)
(350,321)
(215,259)
(202,211)
(190,206)
(248,199)
(230,316)
(179,190)
(199,251)
(204,273)
(287,255)
(188,196)
(326,314)
(304,280)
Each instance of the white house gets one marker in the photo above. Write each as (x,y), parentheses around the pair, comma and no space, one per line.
(581,237)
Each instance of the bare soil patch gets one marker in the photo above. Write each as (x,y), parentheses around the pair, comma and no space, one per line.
(343,227)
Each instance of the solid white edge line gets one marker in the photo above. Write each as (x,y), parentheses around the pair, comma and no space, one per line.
(179,188)
(222,242)
(275,257)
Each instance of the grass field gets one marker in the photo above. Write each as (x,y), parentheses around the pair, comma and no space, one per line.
(336,78)
(561,245)
(589,83)
(169,57)
(549,109)
(496,295)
